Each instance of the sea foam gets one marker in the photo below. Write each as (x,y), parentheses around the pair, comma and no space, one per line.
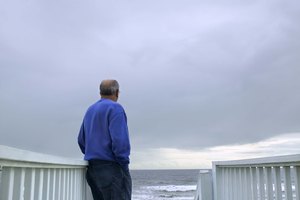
(172,188)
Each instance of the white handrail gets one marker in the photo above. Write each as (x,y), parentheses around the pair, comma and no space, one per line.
(34,176)
(23,157)
(275,160)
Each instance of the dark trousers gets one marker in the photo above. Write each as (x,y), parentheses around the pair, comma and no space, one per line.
(108,181)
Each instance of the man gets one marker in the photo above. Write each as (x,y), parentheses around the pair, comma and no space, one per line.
(104,141)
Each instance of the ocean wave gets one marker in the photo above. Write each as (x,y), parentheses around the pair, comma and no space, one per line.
(172,188)
(158,198)
(161,197)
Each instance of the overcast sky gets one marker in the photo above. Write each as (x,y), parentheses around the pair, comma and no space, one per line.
(196,77)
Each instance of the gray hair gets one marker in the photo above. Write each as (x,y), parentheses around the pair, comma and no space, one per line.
(109,87)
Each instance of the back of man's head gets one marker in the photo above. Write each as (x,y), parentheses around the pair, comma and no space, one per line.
(109,87)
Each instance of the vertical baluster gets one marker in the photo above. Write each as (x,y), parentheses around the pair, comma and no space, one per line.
(220,182)
(235,184)
(41,181)
(48,185)
(83,188)
(297,182)
(269,183)
(32,186)
(78,190)
(4,187)
(230,183)
(54,185)
(261,183)
(240,188)
(78,184)
(243,184)
(247,182)
(75,185)
(223,182)
(11,183)
(27,183)
(253,175)
(67,183)
(287,183)
(59,185)
(64,185)
(22,184)
(277,184)
(227,187)
(84,185)
(72,184)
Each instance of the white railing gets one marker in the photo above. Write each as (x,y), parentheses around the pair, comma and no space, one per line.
(26,175)
(258,179)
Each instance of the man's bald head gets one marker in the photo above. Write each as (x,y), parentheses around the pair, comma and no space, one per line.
(109,87)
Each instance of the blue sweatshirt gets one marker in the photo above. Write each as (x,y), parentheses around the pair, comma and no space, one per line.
(104,133)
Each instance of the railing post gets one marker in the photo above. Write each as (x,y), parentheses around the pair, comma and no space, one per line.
(204,186)
(216,183)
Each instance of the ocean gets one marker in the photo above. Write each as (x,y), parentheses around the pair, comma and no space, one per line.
(164,184)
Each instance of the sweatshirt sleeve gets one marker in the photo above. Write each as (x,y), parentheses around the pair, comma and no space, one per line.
(81,139)
(120,139)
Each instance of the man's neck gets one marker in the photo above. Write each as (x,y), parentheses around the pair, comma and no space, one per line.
(111,97)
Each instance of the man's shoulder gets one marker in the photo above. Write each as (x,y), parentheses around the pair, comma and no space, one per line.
(117,107)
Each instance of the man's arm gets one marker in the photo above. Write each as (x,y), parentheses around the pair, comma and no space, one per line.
(120,139)
(81,139)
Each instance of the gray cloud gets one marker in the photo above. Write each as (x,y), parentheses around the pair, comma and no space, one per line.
(192,75)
